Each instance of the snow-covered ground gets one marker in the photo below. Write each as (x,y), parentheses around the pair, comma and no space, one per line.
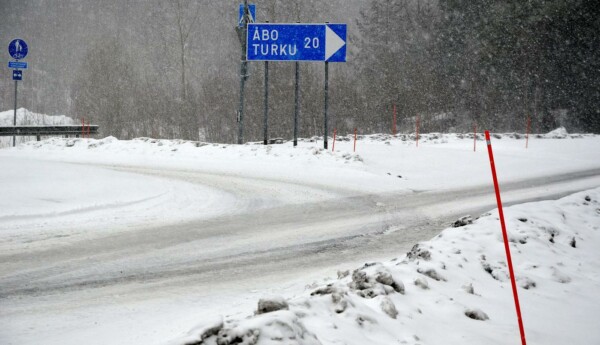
(121,242)
(453,289)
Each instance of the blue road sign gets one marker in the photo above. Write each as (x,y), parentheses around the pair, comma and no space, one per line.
(296,42)
(17,64)
(17,75)
(18,49)
(251,9)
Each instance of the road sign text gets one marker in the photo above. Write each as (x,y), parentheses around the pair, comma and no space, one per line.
(296,42)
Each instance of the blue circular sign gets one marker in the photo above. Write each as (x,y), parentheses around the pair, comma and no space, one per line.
(18,49)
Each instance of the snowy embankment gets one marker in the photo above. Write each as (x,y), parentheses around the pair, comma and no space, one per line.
(28,118)
(453,289)
(381,163)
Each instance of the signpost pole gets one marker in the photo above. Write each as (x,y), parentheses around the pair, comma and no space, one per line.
(15,117)
(243,72)
(266,117)
(325,129)
(266,105)
(298,42)
(297,103)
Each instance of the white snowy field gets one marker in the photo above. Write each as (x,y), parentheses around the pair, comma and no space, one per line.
(126,242)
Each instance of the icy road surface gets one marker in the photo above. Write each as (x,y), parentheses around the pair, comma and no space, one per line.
(147,252)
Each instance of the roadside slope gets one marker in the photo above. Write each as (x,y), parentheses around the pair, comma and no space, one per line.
(453,289)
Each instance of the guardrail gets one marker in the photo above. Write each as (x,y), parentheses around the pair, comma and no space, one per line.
(57,130)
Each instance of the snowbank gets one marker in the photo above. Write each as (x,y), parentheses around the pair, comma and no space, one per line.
(559,133)
(381,163)
(453,289)
(26,118)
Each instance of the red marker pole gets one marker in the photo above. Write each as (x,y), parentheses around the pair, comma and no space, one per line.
(334,134)
(394,121)
(505,236)
(527,132)
(418,131)
(475,137)
(354,139)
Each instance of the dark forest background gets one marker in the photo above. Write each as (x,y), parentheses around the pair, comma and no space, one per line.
(170,68)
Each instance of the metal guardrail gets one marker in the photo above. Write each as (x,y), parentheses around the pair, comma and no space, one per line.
(38,131)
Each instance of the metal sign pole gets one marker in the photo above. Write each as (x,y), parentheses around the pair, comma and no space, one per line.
(266,117)
(297,96)
(243,76)
(18,50)
(266,105)
(15,117)
(325,129)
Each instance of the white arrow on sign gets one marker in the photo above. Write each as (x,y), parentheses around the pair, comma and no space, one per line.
(333,43)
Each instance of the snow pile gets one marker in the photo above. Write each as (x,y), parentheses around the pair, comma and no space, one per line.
(189,149)
(559,133)
(453,289)
(28,118)
(381,163)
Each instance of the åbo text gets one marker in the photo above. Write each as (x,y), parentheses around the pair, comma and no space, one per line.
(268,47)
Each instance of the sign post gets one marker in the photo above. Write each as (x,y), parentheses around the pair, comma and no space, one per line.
(325,117)
(296,103)
(18,50)
(243,71)
(298,42)
(266,105)
(15,115)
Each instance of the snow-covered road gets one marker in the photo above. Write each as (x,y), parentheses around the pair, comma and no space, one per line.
(148,250)
(272,241)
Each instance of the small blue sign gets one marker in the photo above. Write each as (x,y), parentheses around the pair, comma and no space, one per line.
(17,64)
(251,9)
(17,75)
(296,42)
(18,49)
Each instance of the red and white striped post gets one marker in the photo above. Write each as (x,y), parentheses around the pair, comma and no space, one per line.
(418,122)
(394,121)
(334,135)
(505,236)
(354,139)
(475,137)
(527,132)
